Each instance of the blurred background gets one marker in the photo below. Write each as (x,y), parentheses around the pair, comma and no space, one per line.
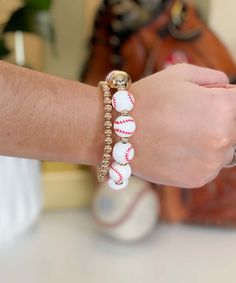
(56,223)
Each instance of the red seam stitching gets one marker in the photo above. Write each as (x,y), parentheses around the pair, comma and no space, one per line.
(131,98)
(123,121)
(127,153)
(118,173)
(123,132)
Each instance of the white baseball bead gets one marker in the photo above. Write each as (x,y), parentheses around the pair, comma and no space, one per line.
(124,126)
(123,100)
(117,187)
(118,173)
(123,153)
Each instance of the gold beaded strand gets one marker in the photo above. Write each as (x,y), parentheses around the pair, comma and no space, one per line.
(103,168)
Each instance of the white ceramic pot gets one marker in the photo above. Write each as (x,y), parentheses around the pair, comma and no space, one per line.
(20,196)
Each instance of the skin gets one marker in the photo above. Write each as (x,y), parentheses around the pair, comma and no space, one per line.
(186,135)
(186,118)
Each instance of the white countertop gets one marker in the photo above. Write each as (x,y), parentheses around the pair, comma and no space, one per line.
(64,247)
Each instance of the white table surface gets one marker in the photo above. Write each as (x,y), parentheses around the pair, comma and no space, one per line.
(64,247)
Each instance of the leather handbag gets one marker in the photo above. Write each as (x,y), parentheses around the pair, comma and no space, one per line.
(171,33)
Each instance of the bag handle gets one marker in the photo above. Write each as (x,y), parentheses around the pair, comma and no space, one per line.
(182,16)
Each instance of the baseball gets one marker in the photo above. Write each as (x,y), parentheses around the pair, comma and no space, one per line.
(126,215)
(123,153)
(124,126)
(118,173)
(123,100)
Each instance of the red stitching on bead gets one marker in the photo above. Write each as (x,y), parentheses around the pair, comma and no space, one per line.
(123,121)
(127,153)
(118,173)
(131,98)
(123,132)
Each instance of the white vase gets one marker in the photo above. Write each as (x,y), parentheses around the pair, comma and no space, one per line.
(20,196)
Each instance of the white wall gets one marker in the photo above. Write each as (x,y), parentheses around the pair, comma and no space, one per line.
(222,18)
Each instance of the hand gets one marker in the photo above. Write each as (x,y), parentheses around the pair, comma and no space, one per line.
(185,131)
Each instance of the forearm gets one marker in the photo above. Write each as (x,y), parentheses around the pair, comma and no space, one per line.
(184,135)
(45,117)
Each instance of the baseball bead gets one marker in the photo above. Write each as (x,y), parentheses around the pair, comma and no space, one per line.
(123,100)
(124,126)
(115,186)
(118,173)
(123,153)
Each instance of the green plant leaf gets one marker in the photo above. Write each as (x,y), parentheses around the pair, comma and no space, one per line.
(31,20)
(38,4)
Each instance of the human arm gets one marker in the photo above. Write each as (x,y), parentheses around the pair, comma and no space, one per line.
(184,136)
(46,117)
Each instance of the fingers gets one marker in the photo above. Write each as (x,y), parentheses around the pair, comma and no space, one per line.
(226,86)
(201,75)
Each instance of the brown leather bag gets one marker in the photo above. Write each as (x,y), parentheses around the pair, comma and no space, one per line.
(173,33)
(213,204)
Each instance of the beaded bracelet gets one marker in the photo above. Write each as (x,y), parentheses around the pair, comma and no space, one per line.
(102,172)
(124,126)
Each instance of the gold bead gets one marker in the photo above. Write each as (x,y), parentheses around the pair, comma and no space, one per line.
(124,140)
(102,84)
(108,132)
(101,179)
(106,156)
(104,170)
(108,108)
(125,113)
(108,140)
(108,124)
(107,100)
(107,116)
(104,178)
(104,167)
(106,162)
(118,79)
(107,94)
(98,169)
(99,175)
(106,87)
(107,149)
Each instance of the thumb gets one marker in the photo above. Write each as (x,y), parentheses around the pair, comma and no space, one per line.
(203,76)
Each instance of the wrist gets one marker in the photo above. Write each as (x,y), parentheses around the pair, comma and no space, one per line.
(93,133)
(116,94)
